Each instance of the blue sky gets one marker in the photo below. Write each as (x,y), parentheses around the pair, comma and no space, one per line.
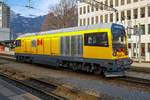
(41,6)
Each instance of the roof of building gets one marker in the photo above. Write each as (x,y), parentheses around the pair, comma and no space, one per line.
(72,29)
(4,3)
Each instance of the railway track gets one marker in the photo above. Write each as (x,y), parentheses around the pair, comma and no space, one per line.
(141,81)
(126,78)
(38,86)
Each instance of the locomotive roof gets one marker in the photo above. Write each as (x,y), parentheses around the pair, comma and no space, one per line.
(72,29)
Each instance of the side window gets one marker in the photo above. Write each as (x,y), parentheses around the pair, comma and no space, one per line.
(33,43)
(96,39)
(18,43)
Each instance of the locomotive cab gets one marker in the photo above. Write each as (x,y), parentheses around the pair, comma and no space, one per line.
(121,60)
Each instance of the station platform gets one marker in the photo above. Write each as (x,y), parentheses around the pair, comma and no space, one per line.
(10,92)
(146,65)
(11,53)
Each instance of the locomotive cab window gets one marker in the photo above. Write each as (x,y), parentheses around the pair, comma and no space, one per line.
(96,39)
(18,43)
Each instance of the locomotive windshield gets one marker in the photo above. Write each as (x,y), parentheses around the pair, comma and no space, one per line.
(119,37)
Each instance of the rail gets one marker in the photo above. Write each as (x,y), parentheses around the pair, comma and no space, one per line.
(38,86)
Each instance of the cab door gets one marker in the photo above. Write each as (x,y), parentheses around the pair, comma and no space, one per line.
(40,47)
(17,46)
(55,46)
(28,49)
(23,46)
(47,46)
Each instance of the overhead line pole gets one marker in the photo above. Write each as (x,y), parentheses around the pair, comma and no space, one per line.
(29,3)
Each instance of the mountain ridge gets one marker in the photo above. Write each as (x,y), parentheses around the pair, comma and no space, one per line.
(21,24)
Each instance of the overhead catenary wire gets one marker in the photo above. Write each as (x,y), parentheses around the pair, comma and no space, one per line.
(27,6)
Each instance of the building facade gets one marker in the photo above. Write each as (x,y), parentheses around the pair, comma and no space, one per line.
(4,15)
(130,13)
(4,22)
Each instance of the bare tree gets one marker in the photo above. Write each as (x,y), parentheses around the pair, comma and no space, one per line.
(62,15)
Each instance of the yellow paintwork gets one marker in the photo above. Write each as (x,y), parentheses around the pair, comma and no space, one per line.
(50,45)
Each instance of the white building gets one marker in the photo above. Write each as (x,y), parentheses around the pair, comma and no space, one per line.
(4,22)
(4,15)
(130,13)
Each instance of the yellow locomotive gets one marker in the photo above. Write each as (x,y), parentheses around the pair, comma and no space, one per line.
(100,47)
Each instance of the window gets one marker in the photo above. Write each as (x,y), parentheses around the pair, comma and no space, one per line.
(33,43)
(80,22)
(129,35)
(128,14)
(97,7)
(122,16)
(111,3)
(106,3)
(122,2)
(135,12)
(92,9)
(117,16)
(142,12)
(96,39)
(106,18)
(129,45)
(84,22)
(149,11)
(92,20)
(18,43)
(101,19)
(135,0)
(148,28)
(96,19)
(116,3)
(128,1)
(80,10)
(143,29)
(88,9)
(148,47)
(135,29)
(88,21)
(111,17)
(101,7)
(84,9)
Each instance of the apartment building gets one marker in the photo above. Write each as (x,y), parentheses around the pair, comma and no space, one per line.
(4,22)
(130,13)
